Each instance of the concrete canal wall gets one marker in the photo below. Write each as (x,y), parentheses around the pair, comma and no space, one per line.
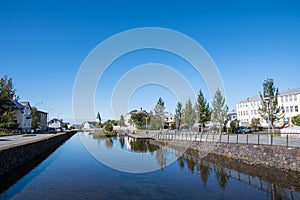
(281,157)
(15,156)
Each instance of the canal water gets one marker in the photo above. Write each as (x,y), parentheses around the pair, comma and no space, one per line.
(91,167)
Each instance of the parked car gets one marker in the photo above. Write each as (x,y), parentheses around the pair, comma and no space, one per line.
(242,129)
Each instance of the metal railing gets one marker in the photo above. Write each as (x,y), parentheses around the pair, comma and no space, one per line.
(289,140)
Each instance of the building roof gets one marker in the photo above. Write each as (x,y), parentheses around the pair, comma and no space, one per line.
(55,120)
(281,93)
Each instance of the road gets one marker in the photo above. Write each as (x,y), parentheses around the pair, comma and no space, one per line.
(14,140)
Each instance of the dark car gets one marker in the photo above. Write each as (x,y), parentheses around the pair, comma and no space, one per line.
(242,129)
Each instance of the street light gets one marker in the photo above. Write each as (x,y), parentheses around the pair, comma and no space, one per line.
(146,125)
(35,105)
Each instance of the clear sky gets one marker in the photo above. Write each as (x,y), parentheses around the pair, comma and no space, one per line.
(43,44)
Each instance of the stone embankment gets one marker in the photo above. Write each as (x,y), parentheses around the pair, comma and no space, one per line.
(14,156)
(273,156)
(281,157)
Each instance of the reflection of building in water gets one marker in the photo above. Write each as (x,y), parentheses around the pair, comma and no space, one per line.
(128,140)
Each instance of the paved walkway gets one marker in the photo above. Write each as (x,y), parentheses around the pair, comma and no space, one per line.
(15,140)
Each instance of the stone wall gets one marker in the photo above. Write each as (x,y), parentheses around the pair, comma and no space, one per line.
(16,156)
(281,157)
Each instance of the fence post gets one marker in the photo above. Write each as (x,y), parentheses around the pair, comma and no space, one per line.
(237,138)
(258,137)
(201,137)
(287,140)
(247,138)
(213,137)
(206,137)
(220,138)
(228,138)
(271,139)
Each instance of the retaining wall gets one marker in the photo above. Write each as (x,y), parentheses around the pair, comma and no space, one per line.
(281,157)
(18,155)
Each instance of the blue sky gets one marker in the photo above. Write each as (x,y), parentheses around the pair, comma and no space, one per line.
(43,44)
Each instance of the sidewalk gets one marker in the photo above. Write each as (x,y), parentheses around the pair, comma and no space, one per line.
(15,140)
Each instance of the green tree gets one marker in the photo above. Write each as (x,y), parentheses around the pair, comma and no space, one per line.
(189,114)
(296,120)
(155,121)
(139,119)
(157,118)
(255,123)
(234,124)
(108,126)
(7,108)
(204,112)
(122,121)
(219,110)
(35,118)
(269,100)
(178,113)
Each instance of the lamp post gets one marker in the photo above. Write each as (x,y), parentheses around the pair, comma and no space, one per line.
(147,125)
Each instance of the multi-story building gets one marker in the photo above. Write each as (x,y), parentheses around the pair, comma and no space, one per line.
(248,108)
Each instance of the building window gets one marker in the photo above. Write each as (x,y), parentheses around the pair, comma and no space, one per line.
(254,112)
(287,109)
(286,98)
(243,112)
(282,99)
(295,97)
(291,98)
(296,108)
(251,112)
(247,112)
(291,108)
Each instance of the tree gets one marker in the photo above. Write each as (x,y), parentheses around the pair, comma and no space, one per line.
(296,120)
(219,110)
(35,118)
(204,112)
(122,121)
(270,110)
(158,113)
(7,109)
(234,124)
(189,114)
(255,123)
(159,107)
(139,119)
(178,112)
(108,126)
(155,121)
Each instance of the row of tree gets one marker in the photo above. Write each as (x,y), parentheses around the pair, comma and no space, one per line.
(186,116)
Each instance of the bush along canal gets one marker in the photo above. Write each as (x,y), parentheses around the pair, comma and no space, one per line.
(88,166)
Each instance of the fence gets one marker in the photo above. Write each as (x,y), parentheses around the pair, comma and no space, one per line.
(289,140)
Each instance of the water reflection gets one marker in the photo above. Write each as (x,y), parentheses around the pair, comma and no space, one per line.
(211,165)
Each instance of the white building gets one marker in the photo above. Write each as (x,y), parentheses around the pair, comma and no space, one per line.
(23,115)
(56,124)
(248,109)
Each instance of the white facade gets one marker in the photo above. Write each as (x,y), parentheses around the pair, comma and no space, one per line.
(23,115)
(55,123)
(248,109)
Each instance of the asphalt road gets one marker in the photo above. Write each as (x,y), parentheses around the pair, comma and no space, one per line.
(7,141)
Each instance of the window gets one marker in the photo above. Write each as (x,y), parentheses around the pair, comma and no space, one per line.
(282,99)
(251,112)
(287,109)
(296,108)
(286,98)
(243,112)
(291,98)
(254,112)
(291,108)
(246,112)
(295,97)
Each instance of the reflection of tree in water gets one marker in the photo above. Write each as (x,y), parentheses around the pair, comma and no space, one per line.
(122,142)
(204,172)
(180,161)
(191,165)
(140,145)
(222,176)
(161,158)
(109,143)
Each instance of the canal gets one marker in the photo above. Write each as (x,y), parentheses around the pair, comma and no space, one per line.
(88,166)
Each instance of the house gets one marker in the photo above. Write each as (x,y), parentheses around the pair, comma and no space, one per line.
(89,125)
(43,116)
(55,124)
(23,115)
